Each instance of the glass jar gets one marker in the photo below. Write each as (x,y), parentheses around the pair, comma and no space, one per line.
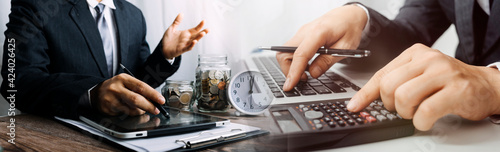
(178,94)
(212,76)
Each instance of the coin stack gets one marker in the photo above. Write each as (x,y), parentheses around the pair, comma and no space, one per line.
(179,94)
(213,87)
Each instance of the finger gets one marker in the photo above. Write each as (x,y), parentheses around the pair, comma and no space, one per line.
(177,21)
(433,108)
(284,59)
(199,35)
(135,112)
(136,102)
(394,79)
(371,90)
(321,64)
(143,89)
(199,26)
(410,95)
(301,57)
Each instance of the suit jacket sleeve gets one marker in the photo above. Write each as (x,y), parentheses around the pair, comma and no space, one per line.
(42,91)
(418,21)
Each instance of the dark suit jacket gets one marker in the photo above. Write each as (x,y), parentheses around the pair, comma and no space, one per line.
(59,53)
(424,21)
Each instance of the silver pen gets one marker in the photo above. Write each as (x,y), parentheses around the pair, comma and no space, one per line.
(333,52)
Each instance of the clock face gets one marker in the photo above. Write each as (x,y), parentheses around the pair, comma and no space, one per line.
(249,93)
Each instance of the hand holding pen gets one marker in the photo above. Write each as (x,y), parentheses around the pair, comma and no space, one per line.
(160,108)
(124,94)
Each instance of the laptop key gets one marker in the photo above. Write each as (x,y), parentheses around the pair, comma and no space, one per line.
(322,89)
(292,93)
(308,92)
(278,95)
(335,88)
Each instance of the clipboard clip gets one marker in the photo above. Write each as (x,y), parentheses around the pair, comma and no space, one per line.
(207,137)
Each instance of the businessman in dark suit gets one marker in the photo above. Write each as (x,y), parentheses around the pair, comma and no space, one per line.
(421,83)
(68,52)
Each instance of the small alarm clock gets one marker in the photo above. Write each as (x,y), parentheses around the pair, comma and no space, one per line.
(249,93)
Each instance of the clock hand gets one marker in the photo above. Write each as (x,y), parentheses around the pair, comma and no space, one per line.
(251,85)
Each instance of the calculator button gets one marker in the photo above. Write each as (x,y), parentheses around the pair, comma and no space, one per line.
(374,113)
(391,116)
(329,111)
(336,118)
(364,114)
(350,122)
(381,118)
(331,124)
(316,121)
(354,116)
(319,126)
(316,108)
(327,119)
(313,105)
(378,107)
(324,107)
(371,119)
(313,114)
(345,109)
(384,112)
(333,114)
(345,117)
(301,106)
(321,104)
(336,110)
(341,123)
(333,107)
(360,120)
(305,109)
(341,113)
(329,103)
(369,109)
(341,106)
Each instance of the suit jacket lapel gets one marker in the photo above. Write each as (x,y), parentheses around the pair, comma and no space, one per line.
(86,23)
(122,28)
(493,32)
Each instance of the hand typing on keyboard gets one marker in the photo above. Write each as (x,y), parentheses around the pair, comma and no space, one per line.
(340,28)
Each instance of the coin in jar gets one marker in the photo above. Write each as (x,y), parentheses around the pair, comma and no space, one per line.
(214,89)
(219,74)
(221,85)
(185,98)
(211,74)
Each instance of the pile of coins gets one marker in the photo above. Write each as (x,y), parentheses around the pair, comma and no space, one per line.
(178,94)
(212,95)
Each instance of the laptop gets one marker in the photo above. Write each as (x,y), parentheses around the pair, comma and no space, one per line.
(331,85)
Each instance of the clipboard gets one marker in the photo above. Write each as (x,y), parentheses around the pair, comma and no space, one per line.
(197,140)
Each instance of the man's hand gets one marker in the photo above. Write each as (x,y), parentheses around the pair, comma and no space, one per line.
(124,94)
(425,84)
(340,28)
(177,42)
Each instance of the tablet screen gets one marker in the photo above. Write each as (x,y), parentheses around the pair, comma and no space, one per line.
(148,121)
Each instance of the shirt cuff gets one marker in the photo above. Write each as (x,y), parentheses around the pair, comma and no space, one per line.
(171,61)
(495,65)
(495,118)
(367,25)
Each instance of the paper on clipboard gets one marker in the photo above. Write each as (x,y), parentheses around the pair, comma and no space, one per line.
(167,143)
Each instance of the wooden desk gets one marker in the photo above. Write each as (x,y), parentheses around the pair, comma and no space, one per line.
(34,133)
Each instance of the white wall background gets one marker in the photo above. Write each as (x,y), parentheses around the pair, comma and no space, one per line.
(238,26)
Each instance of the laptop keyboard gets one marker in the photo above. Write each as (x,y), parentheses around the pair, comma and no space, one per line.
(328,83)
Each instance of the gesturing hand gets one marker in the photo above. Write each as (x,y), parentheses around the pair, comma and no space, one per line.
(340,28)
(124,94)
(425,84)
(176,42)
